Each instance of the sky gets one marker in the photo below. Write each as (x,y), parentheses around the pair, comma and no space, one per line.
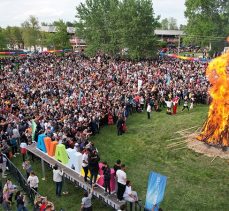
(14,12)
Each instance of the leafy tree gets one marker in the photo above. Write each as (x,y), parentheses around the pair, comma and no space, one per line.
(208,21)
(14,37)
(3,42)
(112,25)
(172,24)
(164,24)
(30,32)
(182,27)
(138,25)
(168,23)
(70,24)
(60,38)
(97,25)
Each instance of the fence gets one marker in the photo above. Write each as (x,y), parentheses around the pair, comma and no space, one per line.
(17,175)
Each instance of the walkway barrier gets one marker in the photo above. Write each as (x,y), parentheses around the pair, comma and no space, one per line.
(17,175)
(78,180)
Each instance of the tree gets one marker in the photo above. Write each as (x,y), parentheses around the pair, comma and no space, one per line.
(61,37)
(138,25)
(30,32)
(14,37)
(3,42)
(208,21)
(182,27)
(172,24)
(97,25)
(112,25)
(164,24)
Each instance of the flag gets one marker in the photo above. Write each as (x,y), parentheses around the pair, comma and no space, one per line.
(34,127)
(155,191)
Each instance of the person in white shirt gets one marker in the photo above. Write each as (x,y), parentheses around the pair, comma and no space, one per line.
(85,164)
(33,181)
(121,178)
(148,109)
(142,102)
(169,104)
(86,204)
(57,178)
(129,195)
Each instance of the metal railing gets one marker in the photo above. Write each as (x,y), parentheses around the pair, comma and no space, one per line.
(18,176)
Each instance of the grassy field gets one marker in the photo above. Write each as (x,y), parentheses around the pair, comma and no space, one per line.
(194,182)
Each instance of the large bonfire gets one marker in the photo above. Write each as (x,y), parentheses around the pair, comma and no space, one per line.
(216,129)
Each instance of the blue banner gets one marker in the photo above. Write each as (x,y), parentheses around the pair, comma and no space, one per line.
(155,191)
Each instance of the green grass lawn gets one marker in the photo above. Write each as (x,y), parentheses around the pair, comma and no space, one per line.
(194,182)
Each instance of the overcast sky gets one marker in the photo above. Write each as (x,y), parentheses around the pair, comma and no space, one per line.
(14,12)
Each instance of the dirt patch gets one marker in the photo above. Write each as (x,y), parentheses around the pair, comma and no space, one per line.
(210,151)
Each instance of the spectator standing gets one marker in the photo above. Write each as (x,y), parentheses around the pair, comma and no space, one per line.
(27,167)
(107,177)
(121,178)
(6,203)
(169,104)
(117,165)
(192,100)
(85,164)
(57,178)
(33,181)
(120,122)
(3,162)
(175,104)
(86,204)
(148,109)
(93,165)
(20,199)
(185,104)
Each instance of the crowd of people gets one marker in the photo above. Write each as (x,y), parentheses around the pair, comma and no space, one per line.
(11,196)
(71,97)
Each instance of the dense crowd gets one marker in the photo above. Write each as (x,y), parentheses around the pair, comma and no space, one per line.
(70,97)
(73,96)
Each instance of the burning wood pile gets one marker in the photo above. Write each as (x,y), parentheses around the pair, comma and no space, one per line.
(216,129)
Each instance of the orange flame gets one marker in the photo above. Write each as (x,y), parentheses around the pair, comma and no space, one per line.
(216,128)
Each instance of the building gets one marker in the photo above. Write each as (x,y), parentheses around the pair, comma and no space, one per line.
(169,36)
(76,42)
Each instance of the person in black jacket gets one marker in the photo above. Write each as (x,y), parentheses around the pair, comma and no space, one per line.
(93,165)
(107,177)
(120,123)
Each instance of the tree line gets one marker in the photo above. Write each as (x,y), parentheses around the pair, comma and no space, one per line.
(124,27)
(29,35)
